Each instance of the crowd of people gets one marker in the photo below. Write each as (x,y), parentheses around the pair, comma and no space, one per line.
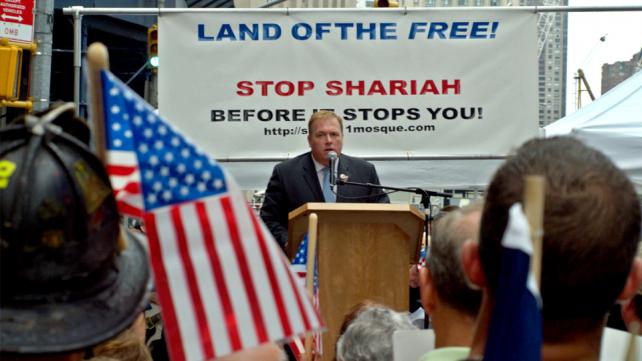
(75,282)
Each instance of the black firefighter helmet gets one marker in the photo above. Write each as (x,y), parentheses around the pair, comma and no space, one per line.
(64,284)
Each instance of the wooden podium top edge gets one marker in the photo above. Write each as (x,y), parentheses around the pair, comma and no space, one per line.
(361,207)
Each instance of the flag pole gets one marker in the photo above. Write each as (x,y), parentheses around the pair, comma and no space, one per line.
(313,221)
(534,188)
(98,59)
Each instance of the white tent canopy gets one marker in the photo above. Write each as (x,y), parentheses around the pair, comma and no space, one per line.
(612,124)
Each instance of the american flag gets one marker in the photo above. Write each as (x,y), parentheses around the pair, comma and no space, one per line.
(223,283)
(299,267)
(515,331)
(122,165)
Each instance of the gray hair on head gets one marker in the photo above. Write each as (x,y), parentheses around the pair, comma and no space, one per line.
(369,336)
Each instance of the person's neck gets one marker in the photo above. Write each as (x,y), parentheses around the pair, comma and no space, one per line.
(452,327)
(585,347)
(326,164)
(482,324)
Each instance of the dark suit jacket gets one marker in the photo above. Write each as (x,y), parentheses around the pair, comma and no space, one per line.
(295,182)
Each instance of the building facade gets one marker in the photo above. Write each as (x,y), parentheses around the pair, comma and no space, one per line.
(614,74)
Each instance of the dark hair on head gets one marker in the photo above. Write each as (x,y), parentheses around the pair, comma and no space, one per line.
(450,231)
(591,230)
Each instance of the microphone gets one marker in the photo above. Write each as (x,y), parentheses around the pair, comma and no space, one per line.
(333,161)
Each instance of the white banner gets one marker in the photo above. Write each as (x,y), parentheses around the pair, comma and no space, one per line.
(421,83)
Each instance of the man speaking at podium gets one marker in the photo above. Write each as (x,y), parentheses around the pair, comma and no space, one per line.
(309,178)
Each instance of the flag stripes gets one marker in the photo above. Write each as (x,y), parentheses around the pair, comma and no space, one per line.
(194,292)
(174,340)
(217,273)
(202,317)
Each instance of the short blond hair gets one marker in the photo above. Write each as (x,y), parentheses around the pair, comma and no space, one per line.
(324,114)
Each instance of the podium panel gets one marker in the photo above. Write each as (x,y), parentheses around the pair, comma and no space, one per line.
(364,251)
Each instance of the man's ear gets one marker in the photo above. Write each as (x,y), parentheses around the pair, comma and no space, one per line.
(427,290)
(633,281)
(472,264)
(628,313)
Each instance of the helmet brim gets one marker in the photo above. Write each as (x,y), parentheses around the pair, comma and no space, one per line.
(80,323)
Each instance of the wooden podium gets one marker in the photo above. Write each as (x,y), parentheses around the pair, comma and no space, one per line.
(364,252)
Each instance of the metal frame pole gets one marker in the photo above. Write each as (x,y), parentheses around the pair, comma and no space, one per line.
(77,53)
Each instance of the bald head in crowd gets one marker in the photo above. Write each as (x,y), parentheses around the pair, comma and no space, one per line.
(591,232)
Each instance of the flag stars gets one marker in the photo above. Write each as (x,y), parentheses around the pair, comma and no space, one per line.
(218,184)
(159,144)
(148,133)
(139,106)
(125,116)
(115,109)
(181,168)
(185,153)
(128,133)
(157,186)
(173,182)
(143,148)
(162,130)
(189,179)
(153,160)
(164,171)
(115,127)
(151,118)
(201,187)
(149,174)
(113,91)
(206,175)
(118,143)
(151,198)
(184,191)
(138,121)
(198,164)
(175,142)
(167,195)
(169,157)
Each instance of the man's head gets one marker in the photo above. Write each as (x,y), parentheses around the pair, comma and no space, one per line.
(443,283)
(591,231)
(325,134)
(369,335)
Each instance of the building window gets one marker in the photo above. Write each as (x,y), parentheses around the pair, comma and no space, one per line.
(430,3)
(463,2)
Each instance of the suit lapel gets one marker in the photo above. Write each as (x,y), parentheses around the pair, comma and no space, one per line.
(311,179)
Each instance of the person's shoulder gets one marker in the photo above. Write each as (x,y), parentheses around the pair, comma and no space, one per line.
(355,160)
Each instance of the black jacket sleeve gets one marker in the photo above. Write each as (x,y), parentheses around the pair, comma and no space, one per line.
(273,211)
